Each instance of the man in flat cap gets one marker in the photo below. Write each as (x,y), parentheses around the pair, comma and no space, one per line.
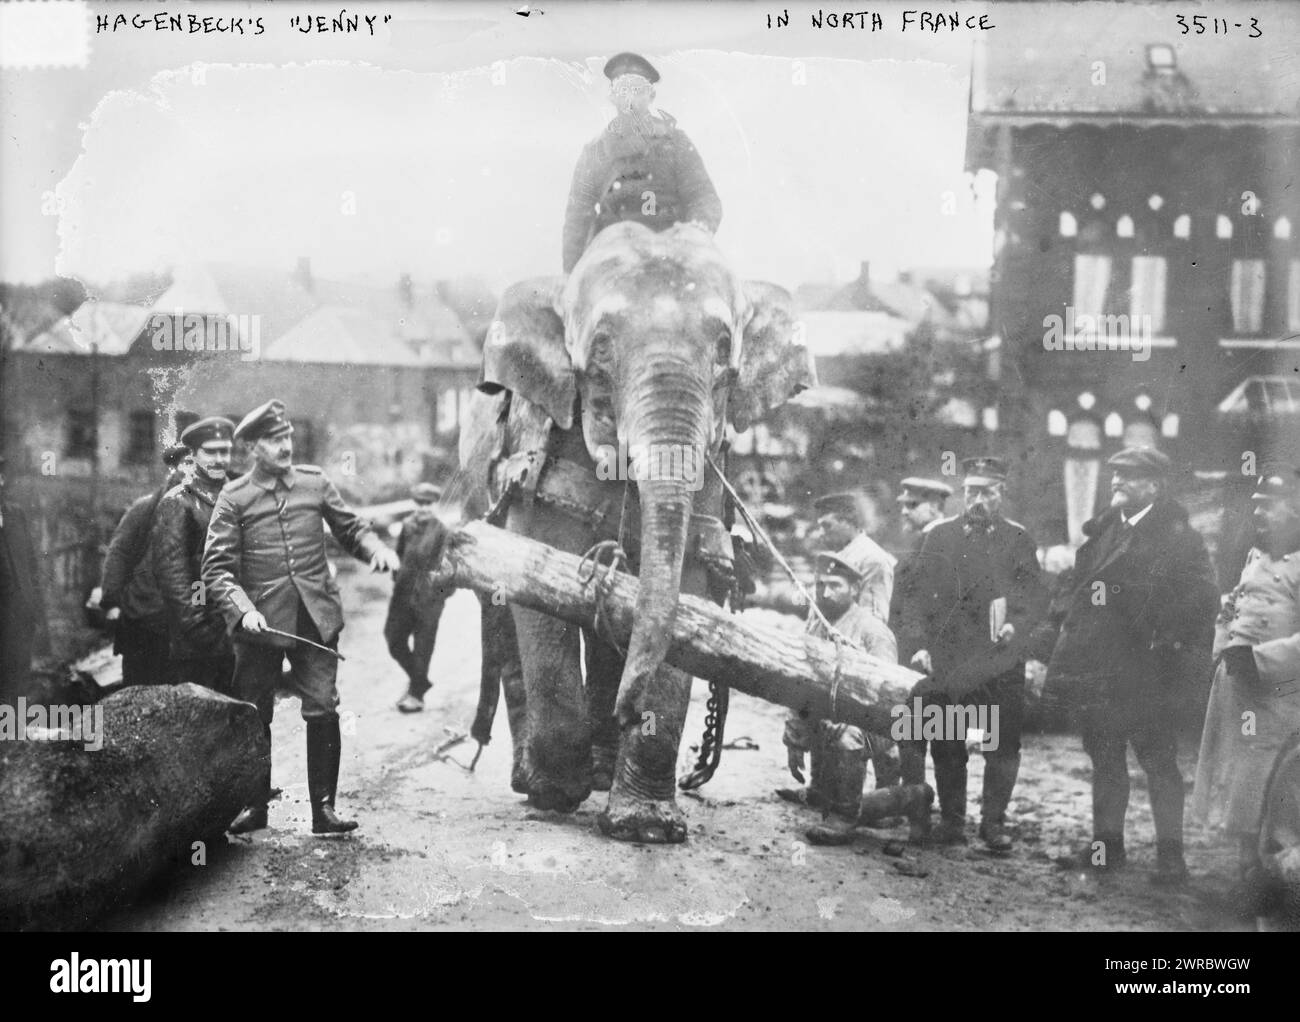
(1136,619)
(975,588)
(265,569)
(196,632)
(1254,708)
(641,167)
(24,629)
(411,628)
(128,591)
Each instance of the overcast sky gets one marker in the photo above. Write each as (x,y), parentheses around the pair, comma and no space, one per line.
(446,143)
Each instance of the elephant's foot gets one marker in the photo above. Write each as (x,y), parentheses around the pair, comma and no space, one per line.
(603,762)
(555,794)
(651,821)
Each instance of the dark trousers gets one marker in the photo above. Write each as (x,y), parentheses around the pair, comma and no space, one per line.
(214,672)
(257,673)
(1107,732)
(1006,694)
(410,631)
(146,655)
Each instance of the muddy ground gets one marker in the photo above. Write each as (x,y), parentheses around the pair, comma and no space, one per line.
(441,848)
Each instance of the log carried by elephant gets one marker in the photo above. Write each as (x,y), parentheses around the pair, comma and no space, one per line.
(798,671)
(91,813)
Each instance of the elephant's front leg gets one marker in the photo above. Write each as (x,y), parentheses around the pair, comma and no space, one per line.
(643,802)
(559,735)
(604,668)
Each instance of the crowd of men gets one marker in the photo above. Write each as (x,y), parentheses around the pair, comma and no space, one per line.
(1127,635)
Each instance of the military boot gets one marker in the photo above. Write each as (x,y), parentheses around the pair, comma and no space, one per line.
(324,750)
(1000,774)
(253,816)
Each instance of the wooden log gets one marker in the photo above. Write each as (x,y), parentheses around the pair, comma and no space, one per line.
(83,830)
(812,676)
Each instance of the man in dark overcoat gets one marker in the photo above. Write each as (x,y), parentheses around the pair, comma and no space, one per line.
(1138,622)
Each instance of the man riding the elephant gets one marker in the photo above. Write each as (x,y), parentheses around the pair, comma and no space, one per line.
(641,167)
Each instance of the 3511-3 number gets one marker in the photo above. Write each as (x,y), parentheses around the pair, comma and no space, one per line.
(1218,26)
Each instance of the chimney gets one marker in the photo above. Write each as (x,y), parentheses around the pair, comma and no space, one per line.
(302,274)
(405,291)
(864,272)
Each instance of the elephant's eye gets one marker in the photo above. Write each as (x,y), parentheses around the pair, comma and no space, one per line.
(722,352)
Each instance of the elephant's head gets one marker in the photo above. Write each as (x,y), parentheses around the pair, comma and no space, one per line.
(660,345)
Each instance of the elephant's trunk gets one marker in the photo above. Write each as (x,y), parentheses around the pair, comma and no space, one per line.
(667,419)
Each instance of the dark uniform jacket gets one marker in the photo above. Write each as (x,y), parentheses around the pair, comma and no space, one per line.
(903,624)
(195,626)
(653,175)
(266,550)
(128,580)
(957,574)
(1138,610)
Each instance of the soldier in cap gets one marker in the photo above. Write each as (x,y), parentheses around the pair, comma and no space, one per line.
(266,572)
(128,591)
(975,587)
(1136,621)
(198,643)
(411,628)
(1257,650)
(641,167)
(839,751)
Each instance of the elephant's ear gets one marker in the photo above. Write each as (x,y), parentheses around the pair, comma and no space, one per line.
(774,361)
(525,352)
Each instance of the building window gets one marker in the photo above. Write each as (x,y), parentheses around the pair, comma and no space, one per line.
(1147,295)
(1091,279)
(1183,227)
(1247,296)
(80,437)
(141,443)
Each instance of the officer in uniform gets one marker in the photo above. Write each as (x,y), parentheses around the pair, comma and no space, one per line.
(200,648)
(977,586)
(920,502)
(641,167)
(266,571)
(415,609)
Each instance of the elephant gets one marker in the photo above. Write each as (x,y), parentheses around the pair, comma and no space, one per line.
(604,400)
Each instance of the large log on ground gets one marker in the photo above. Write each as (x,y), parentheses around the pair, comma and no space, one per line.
(810,675)
(83,829)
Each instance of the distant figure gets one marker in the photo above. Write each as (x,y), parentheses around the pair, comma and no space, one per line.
(641,167)
(415,609)
(129,592)
(1257,647)
(196,632)
(23,626)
